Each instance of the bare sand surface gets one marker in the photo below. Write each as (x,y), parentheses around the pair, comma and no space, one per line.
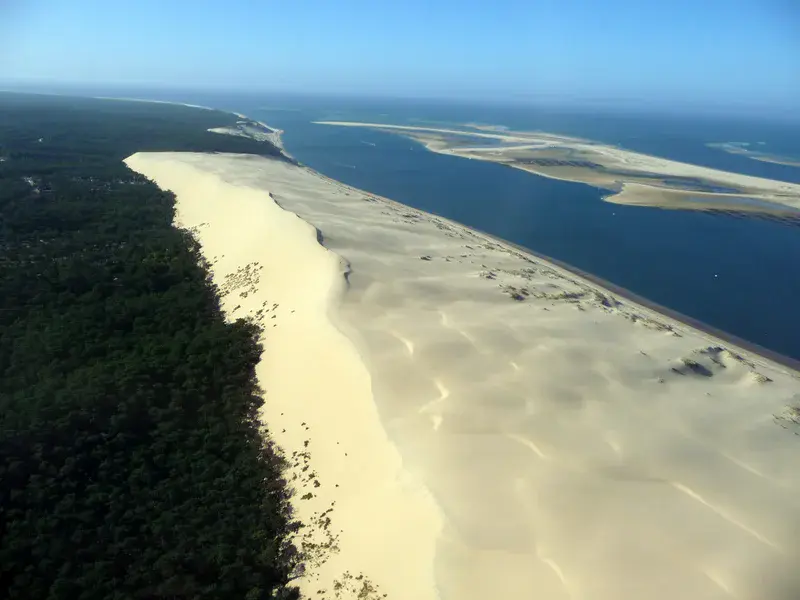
(641,194)
(371,526)
(603,166)
(200,106)
(255,130)
(497,427)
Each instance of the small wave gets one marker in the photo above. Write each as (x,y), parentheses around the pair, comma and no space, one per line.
(368,143)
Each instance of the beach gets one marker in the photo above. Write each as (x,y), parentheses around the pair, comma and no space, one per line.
(467,420)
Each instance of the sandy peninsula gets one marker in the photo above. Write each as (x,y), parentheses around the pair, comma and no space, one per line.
(256,130)
(469,421)
(662,182)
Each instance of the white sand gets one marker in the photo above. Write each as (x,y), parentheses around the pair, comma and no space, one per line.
(575,447)
(246,129)
(270,267)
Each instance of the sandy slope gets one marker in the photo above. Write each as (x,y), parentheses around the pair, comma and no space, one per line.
(368,515)
(255,130)
(576,447)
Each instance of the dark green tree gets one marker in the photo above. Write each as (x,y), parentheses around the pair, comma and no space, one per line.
(132,460)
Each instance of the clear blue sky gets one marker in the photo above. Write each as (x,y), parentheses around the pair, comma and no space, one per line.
(693,52)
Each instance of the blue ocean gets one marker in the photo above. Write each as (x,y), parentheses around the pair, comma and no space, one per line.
(740,275)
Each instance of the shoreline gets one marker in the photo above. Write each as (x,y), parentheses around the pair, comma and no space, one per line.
(740,149)
(529,433)
(450,550)
(463,418)
(745,347)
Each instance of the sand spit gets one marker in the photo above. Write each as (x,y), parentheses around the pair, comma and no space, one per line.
(641,194)
(200,106)
(255,130)
(245,127)
(745,149)
(608,167)
(577,446)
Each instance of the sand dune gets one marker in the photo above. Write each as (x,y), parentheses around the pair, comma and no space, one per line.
(351,489)
(546,439)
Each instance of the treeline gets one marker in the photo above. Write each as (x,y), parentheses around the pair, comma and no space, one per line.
(132,464)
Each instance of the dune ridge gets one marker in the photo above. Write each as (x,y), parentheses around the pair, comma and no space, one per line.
(351,490)
(552,440)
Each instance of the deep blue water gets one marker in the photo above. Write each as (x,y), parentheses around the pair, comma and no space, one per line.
(740,275)
(679,138)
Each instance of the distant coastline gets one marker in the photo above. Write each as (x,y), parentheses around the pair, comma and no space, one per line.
(245,127)
(260,131)
(745,347)
(491,132)
(632,177)
(743,149)
(252,128)
(729,339)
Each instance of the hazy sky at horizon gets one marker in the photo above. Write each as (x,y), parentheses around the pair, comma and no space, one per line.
(689,53)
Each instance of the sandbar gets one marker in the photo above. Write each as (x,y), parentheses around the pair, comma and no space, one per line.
(608,167)
(744,149)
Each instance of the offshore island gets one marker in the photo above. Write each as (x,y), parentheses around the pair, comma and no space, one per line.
(632,177)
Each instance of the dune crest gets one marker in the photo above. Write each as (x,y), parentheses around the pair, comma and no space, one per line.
(370,527)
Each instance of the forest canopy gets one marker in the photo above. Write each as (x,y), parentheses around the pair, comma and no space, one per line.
(132,462)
